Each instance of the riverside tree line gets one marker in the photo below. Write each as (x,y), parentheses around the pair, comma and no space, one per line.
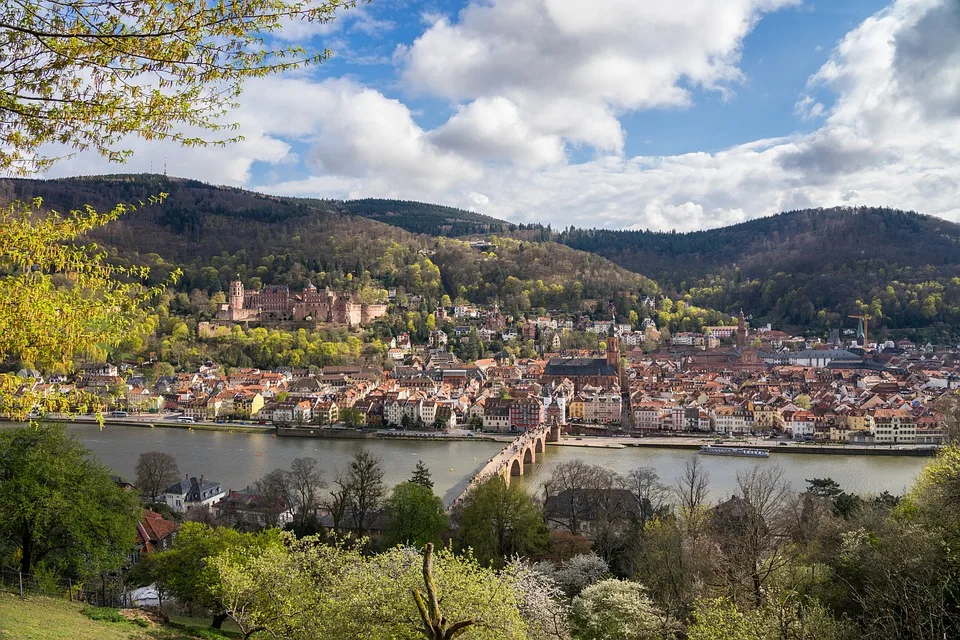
(619,557)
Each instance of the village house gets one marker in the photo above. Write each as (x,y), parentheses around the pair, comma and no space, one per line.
(190,493)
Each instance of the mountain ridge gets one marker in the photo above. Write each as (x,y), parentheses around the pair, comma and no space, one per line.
(807,268)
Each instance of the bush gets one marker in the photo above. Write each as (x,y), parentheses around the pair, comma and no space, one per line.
(103,614)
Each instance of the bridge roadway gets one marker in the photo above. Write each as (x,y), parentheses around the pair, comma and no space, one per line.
(512,459)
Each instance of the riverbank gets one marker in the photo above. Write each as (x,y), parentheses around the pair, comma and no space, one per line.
(690,443)
(153,423)
(779,448)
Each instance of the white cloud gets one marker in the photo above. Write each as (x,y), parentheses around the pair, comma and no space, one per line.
(492,128)
(570,70)
(523,94)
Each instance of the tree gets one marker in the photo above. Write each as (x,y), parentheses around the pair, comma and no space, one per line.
(786,616)
(571,493)
(421,475)
(497,522)
(435,626)
(618,609)
(85,75)
(305,483)
(156,470)
(692,487)
(185,571)
(750,540)
(61,300)
(351,417)
(415,515)
(579,572)
(303,590)
(363,487)
(273,496)
(61,508)
(650,494)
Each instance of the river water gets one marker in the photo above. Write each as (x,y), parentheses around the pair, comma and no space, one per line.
(238,459)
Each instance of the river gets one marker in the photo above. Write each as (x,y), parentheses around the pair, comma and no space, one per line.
(238,459)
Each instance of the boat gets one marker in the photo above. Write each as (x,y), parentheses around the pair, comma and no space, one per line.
(712,450)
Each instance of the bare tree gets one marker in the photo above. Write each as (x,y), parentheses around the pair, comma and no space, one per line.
(573,493)
(364,489)
(691,488)
(751,533)
(306,483)
(336,504)
(156,470)
(650,494)
(949,407)
(273,496)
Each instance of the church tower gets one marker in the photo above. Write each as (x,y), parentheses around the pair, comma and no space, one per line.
(236,295)
(613,346)
(741,331)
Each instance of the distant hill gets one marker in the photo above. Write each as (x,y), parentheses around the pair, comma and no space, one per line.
(806,267)
(216,233)
(421,217)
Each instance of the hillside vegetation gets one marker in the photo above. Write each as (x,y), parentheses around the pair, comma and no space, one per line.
(217,233)
(809,267)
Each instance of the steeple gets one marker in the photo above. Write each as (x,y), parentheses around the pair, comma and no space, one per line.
(741,330)
(613,343)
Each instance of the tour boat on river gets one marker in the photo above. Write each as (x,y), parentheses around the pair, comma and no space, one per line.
(712,450)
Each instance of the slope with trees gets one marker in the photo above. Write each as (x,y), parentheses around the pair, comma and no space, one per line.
(804,268)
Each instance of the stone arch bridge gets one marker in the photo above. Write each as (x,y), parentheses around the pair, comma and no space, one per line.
(514,458)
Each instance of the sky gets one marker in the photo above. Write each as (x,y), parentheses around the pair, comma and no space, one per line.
(622,114)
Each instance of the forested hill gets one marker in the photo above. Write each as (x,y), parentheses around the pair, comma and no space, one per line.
(214,233)
(805,267)
(421,217)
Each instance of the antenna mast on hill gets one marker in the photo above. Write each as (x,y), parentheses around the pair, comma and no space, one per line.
(164,167)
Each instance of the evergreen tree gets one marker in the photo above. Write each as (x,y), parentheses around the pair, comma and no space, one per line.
(421,476)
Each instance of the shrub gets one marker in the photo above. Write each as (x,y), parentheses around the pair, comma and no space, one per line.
(103,614)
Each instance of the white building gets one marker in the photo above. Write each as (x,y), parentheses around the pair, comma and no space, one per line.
(190,493)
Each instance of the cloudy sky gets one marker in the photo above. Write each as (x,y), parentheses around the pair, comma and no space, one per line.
(640,114)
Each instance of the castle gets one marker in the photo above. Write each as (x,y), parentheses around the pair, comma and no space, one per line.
(277,303)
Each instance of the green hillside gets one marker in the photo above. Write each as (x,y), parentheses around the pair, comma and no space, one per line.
(804,268)
(39,618)
(216,233)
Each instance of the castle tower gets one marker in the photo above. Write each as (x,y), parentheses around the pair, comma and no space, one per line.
(741,331)
(236,294)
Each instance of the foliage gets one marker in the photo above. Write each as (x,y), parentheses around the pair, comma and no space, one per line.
(497,522)
(617,609)
(59,507)
(103,614)
(581,571)
(62,300)
(803,268)
(184,571)
(305,590)
(421,475)
(543,603)
(415,515)
(363,490)
(87,74)
(785,616)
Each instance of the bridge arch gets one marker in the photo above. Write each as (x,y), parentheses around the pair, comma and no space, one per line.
(516,467)
(529,457)
(540,443)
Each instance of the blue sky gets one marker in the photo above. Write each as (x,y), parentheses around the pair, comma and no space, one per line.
(617,113)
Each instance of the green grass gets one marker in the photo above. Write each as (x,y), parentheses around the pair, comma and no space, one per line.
(37,618)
